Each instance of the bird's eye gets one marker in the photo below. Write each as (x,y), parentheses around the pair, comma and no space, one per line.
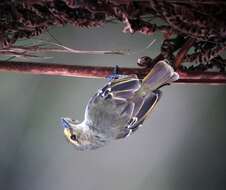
(73,137)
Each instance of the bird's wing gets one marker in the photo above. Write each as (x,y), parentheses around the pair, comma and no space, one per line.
(126,84)
(145,107)
(109,108)
(116,107)
(118,89)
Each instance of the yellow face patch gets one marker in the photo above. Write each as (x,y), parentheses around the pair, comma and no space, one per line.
(68,134)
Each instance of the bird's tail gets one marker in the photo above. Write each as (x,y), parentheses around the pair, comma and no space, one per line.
(162,73)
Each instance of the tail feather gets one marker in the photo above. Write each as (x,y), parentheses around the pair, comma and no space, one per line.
(162,73)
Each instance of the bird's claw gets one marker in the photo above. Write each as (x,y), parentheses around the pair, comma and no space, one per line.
(115,74)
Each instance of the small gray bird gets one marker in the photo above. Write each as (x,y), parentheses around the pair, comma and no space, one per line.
(119,108)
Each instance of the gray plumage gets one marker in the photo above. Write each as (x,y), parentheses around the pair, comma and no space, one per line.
(119,108)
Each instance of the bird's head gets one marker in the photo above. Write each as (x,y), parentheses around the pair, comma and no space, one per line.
(71,130)
(79,135)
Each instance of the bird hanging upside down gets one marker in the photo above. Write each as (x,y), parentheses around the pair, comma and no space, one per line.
(119,108)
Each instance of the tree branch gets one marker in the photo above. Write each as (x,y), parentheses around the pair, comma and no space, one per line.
(183,52)
(102,72)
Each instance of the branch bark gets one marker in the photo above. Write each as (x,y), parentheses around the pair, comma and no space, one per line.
(103,72)
(183,52)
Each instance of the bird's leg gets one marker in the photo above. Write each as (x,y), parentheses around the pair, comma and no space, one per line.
(115,74)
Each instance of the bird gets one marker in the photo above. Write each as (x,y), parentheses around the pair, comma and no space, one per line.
(119,108)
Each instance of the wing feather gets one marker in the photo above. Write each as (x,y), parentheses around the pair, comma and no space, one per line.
(110,105)
(147,107)
(111,109)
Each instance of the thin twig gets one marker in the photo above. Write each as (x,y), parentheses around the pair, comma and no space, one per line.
(183,52)
(31,50)
(37,49)
(103,72)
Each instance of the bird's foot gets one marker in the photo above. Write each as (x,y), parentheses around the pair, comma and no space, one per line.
(115,74)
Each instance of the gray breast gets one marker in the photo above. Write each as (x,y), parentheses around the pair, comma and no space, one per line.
(109,117)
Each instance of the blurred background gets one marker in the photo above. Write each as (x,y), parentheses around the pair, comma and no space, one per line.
(181,147)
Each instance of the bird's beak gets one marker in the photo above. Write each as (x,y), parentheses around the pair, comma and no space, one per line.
(68,130)
(65,122)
